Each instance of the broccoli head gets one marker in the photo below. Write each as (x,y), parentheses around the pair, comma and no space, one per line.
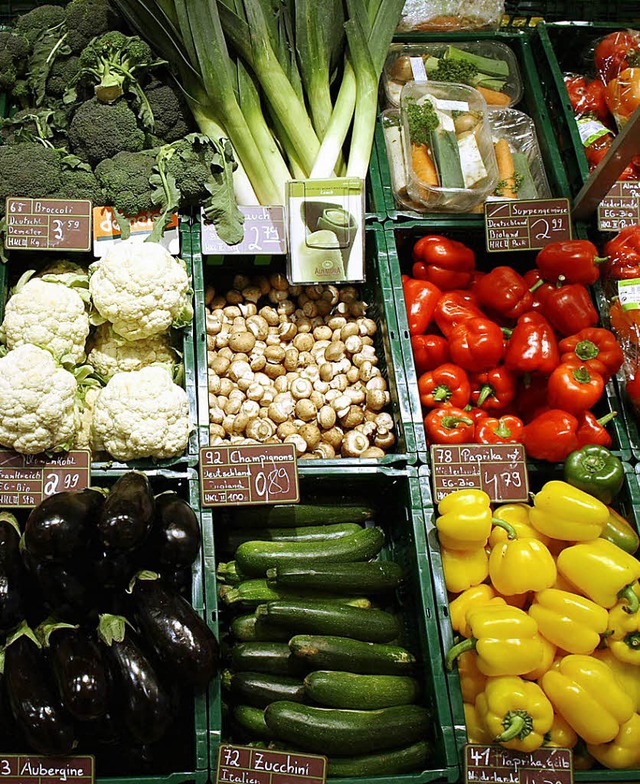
(80,184)
(171,115)
(125,180)
(100,130)
(37,21)
(189,161)
(29,169)
(47,126)
(14,50)
(64,71)
(88,18)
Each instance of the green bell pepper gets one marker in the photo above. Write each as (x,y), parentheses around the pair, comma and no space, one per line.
(595,470)
(619,531)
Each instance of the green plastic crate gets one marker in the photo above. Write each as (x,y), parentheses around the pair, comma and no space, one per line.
(586,10)
(400,239)
(377,292)
(532,104)
(395,493)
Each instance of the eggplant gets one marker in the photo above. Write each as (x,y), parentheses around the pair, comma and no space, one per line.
(60,528)
(141,699)
(11,573)
(62,592)
(79,672)
(174,539)
(127,514)
(10,738)
(178,636)
(46,727)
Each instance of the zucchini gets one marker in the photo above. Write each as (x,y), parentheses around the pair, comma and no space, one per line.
(341,732)
(492,66)
(257,656)
(247,629)
(254,558)
(446,153)
(233,539)
(295,515)
(251,593)
(386,763)
(323,618)
(342,653)
(229,574)
(362,692)
(259,689)
(251,721)
(526,186)
(355,578)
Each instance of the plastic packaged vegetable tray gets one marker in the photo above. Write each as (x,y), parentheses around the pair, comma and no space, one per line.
(396,496)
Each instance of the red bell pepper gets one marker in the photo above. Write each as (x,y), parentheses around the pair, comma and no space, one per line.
(449,425)
(612,53)
(454,308)
(552,436)
(443,261)
(577,261)
(429,351)
(493,389)
(447,384)
(570,309)
(587,97)
(538,287)
(476,344)
(421,298)
(593,431)
(532,397)
(532,347)
(595,348)
(623,253)
(505,430)
(503,292)
(477,414)
(574,389)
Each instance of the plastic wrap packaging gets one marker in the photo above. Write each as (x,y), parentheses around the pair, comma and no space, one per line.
(489,66)
(448,15)
(616,57)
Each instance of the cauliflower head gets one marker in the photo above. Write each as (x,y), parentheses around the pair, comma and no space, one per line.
(141,289)
(83,437)
(142,414)
(49,315)
(38,411)
(110,354)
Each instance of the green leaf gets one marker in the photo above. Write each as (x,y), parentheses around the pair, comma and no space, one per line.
(221,208)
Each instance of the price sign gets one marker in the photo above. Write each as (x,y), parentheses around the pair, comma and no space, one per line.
(26,480)
(48,224)
(234,475)
(27,769)
(498,765)
(106,231)
(498,469)
(526,224)
(247,765)
(620,207)
(264,234)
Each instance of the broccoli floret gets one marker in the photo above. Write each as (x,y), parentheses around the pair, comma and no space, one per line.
(190,161)
(63,72)
(14,50)
(80,184)
(47,126)
(29,169)
(88,18)
(37,21)
(454,71)
(171,116)
(125,180)
(422,119)
(100,130)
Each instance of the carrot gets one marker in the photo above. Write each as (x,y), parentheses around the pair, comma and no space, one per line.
(506,170)
(423,166)
(493,97)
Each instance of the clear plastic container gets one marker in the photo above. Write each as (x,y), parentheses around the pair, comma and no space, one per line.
(449,154)
(450,15)
(503,84)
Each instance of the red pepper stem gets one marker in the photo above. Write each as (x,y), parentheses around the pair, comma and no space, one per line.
(560,281)
(486,390)
(607,418)
(502,431)
(506,332)
(441,393)
(451,422)
(630,595)
(511,531)
(458,650)
(537,285)
(586,349)
(600,260)
(581,375)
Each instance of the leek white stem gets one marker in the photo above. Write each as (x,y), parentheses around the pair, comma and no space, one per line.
(331,147)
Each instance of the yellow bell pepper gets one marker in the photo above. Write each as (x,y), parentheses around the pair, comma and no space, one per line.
(516,515)
(623,751)
(627,677)
(562,584)
(585,692)
(472,681)
(623,638)
(516,713)
(505,638)
(476,731)
(602,571)
(549,653)
(464,521)
(521,565)
(519,600)
(561,735)
(571,622)
(464,568)
(562,511)
(582,760)
(477,596)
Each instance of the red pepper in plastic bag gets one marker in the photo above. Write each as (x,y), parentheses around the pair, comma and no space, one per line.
(624,254)
(587,97)
(612,53)
(421,298)
(443,261)
(429,351)
(552,436)
(503,292)
(623,95)
(577,261)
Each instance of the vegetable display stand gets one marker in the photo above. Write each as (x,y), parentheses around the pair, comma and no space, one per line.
(376,292)
(532,104)
(392,497)
(621,11)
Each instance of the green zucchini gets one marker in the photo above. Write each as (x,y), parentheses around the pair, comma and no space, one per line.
(526,186)
(251,593)
(386,763)
(254,558)
(341,732)
(356,578)
(234,538)
(273,657)
(492,66)
(229,574)
(247,628)
(361,692)
(259,689)
(371,625)
(446,153)
(296,515)
(251,720)
(343,653)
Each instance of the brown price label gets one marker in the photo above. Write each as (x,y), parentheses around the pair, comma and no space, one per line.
(27,769)
(247,765)
(497,765)
(620,207)
(260,474)
(48,224)
(26,480)
(498,469)
(526,224)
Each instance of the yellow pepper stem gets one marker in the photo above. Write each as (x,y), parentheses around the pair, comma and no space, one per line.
(511,531)
(517,724)
(630,595)
(458,650)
